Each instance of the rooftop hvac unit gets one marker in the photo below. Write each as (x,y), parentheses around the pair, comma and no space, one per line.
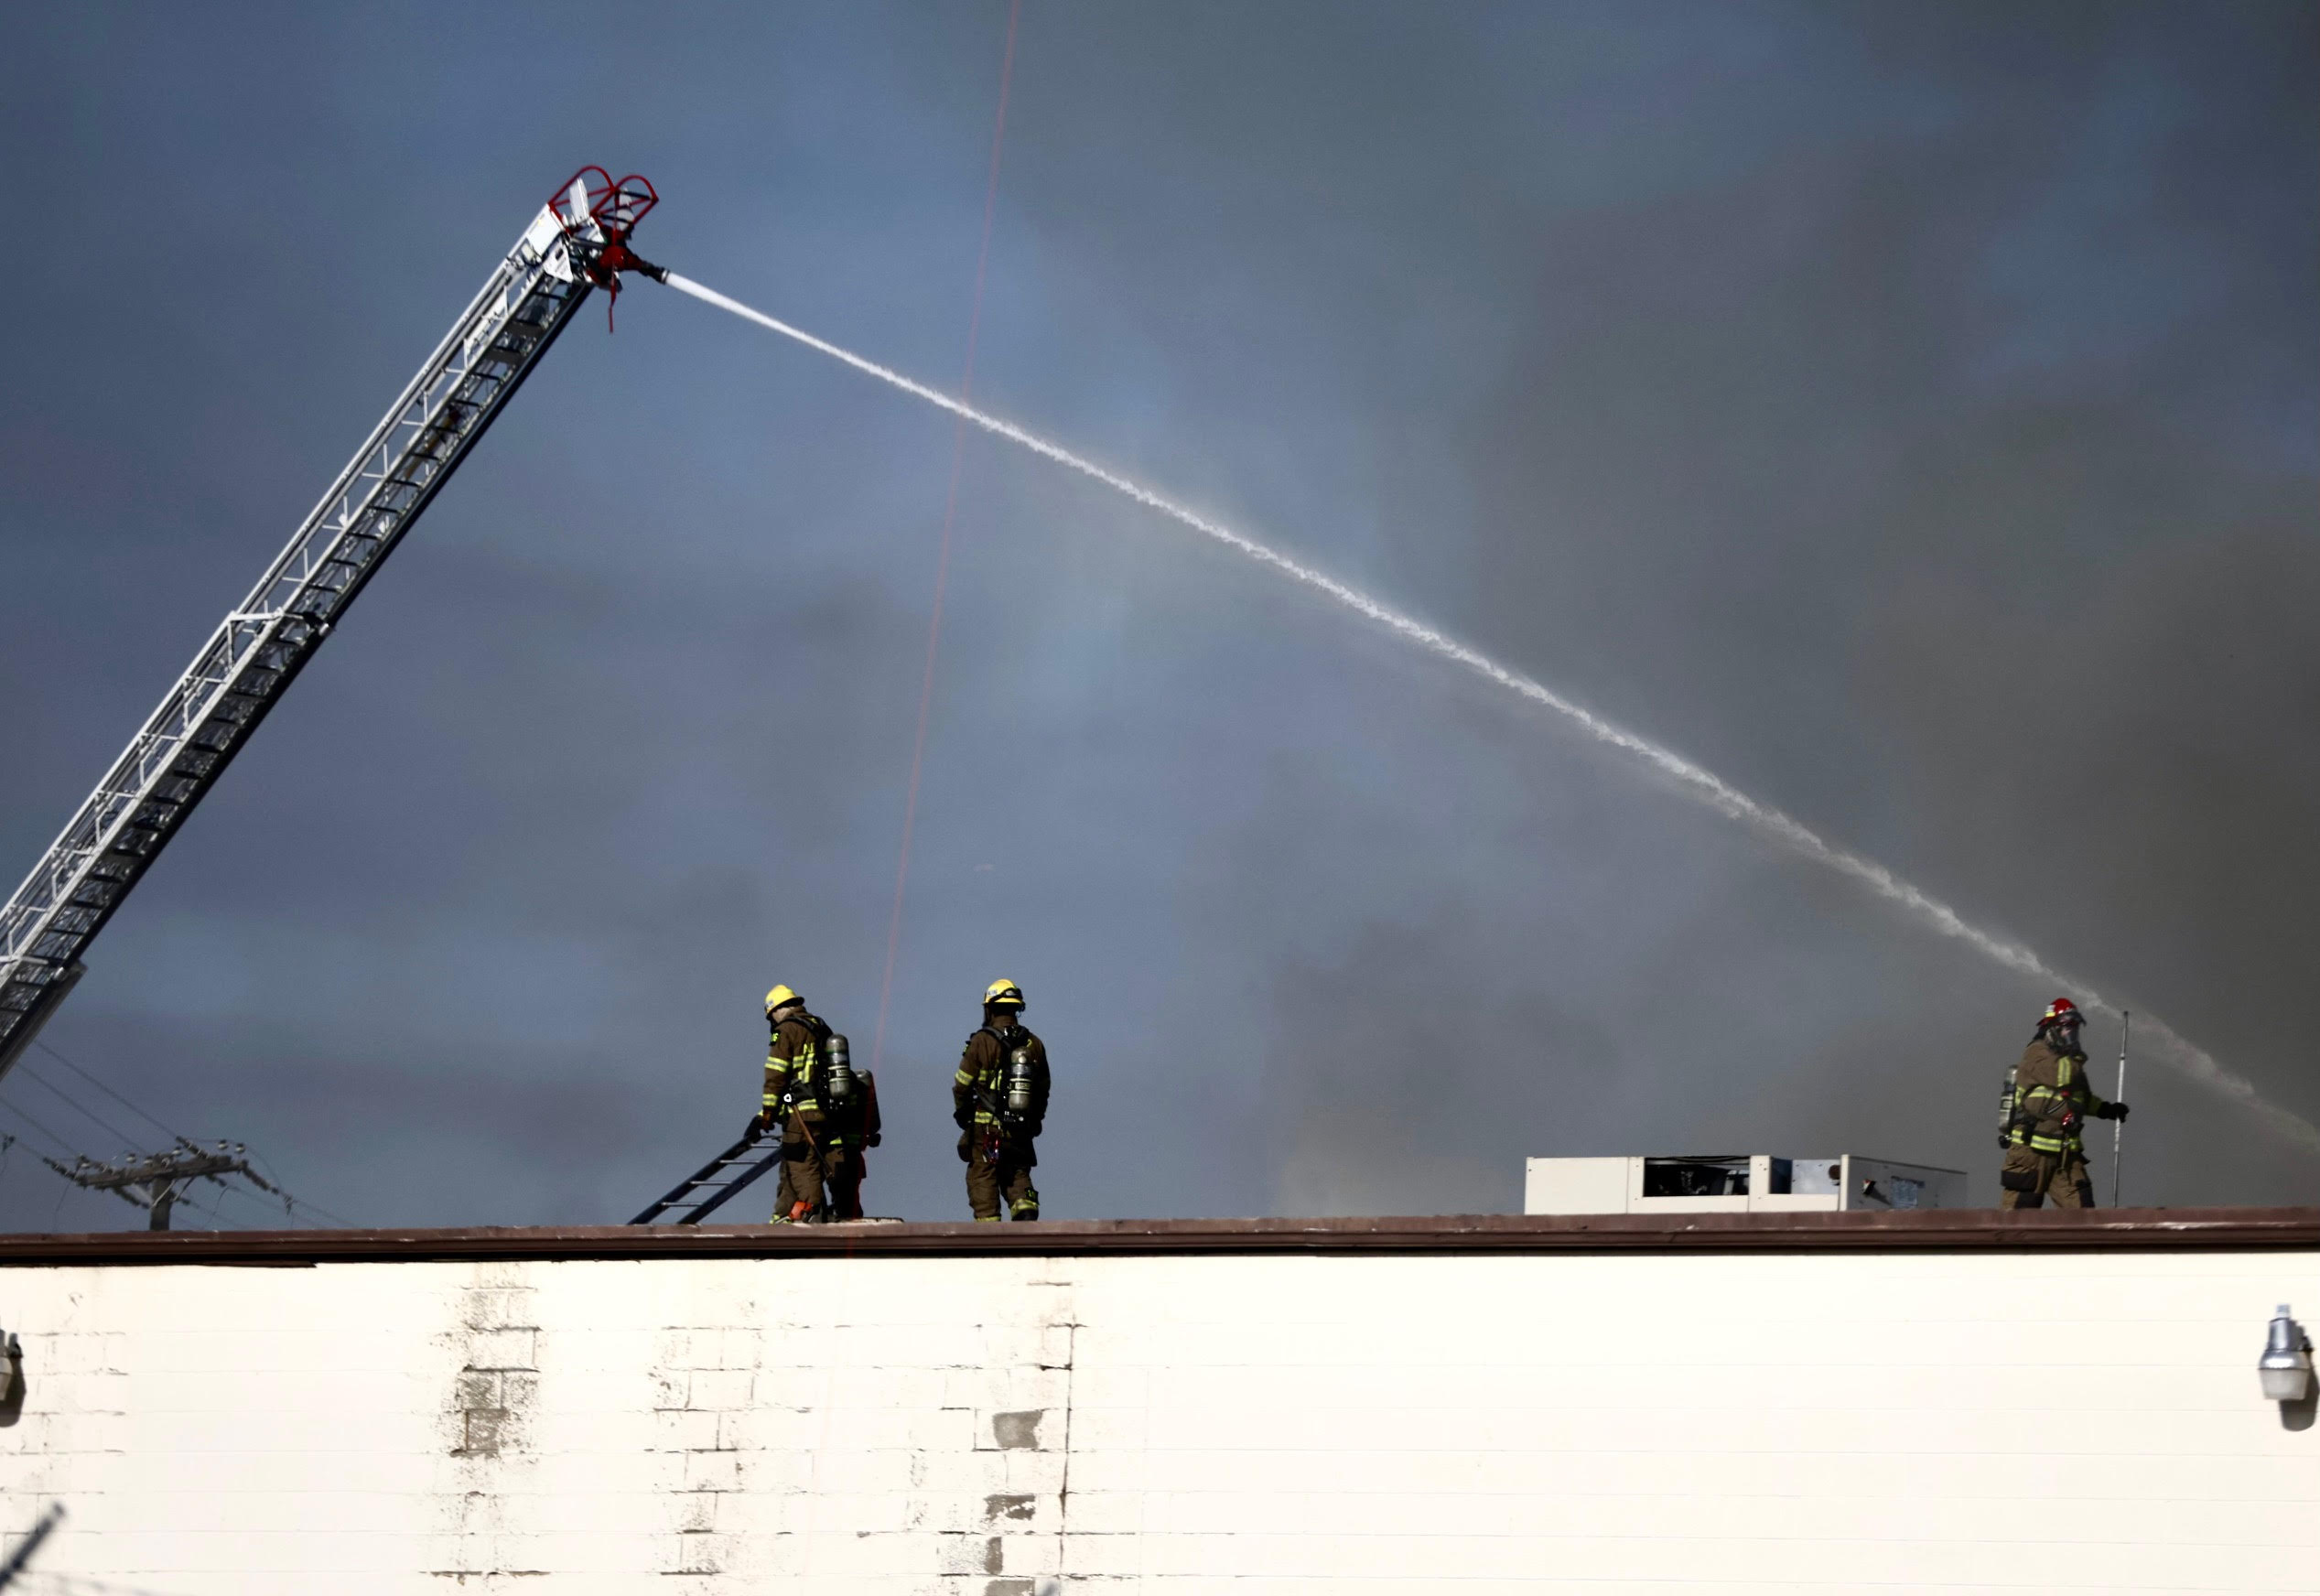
(1736,1183)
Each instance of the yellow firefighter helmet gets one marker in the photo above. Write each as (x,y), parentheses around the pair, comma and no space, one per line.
(1002,995)
(780,997)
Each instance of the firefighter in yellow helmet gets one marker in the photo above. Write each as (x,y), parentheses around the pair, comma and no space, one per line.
(2045,1110)
(825,1110)
(998,1100)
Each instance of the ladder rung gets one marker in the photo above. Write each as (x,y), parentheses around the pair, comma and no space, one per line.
(714,1182)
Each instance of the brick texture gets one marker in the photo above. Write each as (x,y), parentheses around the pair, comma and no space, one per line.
(1016,1426)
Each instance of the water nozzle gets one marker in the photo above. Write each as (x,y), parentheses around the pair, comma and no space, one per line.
(605,265)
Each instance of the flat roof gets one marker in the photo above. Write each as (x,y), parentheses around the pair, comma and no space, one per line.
(1943,1230)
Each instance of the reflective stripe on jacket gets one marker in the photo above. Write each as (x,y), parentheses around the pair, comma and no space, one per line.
(2049,1101)
(792,1066)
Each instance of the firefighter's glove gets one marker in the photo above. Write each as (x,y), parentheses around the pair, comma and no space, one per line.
(762,1123)
(2111,1111)
(2005,1142)
(870,1139)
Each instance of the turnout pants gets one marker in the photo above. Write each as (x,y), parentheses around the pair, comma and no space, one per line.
(1008,1179)
(806,1168)
(2029,1178)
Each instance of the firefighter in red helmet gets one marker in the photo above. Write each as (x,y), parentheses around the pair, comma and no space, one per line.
(2043,1112)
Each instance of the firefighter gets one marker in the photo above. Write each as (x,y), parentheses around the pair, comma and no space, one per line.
(2043,1112)
(998,1101)
(825,1119)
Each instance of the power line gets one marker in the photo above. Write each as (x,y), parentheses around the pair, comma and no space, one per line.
(288,1217)
(157,1182)
(210,1209)
(82,1168)
(78,1107)
(55,1141)
(238,1192)
(100,1086)
(340,1220)
(181,1196)
(291,1203)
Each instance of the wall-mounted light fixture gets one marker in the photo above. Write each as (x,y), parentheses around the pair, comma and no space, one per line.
(2285,1367)
(11,1377)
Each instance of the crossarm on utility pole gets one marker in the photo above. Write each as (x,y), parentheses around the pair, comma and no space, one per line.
(154,1181)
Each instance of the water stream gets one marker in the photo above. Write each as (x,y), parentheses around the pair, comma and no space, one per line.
(1703,784)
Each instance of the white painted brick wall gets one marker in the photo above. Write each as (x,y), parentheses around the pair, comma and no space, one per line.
(1906,1422)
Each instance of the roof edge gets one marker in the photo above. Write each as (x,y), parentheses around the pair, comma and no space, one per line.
(1964,1230)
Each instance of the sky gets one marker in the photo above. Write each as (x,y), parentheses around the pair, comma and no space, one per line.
(1910,413)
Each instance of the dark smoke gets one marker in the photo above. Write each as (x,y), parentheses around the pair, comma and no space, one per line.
(1909,413)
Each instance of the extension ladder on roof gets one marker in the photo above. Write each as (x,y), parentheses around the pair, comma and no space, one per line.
(717,1182)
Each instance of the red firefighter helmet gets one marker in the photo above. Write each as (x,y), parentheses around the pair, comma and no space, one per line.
(2062,1011)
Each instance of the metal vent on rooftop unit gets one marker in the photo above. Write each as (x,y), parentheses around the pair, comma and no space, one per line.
(1735,1182)
(1712,1175)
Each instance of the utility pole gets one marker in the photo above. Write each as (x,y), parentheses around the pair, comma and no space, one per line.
(156,1180)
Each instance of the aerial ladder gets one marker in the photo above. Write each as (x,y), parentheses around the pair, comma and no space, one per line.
(579,240)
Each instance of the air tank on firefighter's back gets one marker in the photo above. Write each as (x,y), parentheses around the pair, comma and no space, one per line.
(837,1069)
(1021,1092)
